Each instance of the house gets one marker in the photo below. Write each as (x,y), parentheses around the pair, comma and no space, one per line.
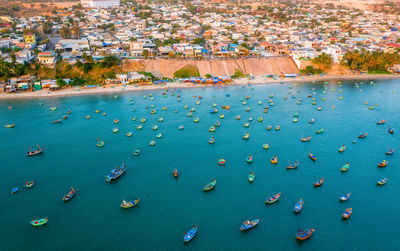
(72,45)
(47,58)
(136,48)
(335,51)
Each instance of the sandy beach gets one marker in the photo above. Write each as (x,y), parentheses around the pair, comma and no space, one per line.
(73,91)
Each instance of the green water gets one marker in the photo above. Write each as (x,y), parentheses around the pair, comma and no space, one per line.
(93,219)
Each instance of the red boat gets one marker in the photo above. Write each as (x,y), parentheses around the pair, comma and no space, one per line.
(318,183)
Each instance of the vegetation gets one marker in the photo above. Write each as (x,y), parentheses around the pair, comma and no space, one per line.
(323,62)
(310,70)
(238,74)
(370,61)
(187,72)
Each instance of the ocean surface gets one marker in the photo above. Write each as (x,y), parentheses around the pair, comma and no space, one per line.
(169,207)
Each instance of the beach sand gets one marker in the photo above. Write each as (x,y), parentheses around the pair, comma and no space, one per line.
(73,91)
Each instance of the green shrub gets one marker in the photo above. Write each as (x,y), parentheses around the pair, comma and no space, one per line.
(238,74)
(187,72)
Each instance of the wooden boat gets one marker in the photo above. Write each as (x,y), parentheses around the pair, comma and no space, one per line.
(53,108)
(40,222)
(247,124)
(274,160)
(249,224)
(139,127)
(312,157)
(221,116)
(160,119)
(100,143)
(319,131)
(265,146)
(29,184)
(128,134)
(136,152)
(311,121)
(342,148)
(142,120)
(65,117)
(69,112)
(10,107)
(69,195)
(383,163)
(298,206)
(35,152)
(251,177)
(181,127)
(293,165)
(87,117)
(347,213)
(14,190)
(97,111)
(318,182)
(381,122)
(277,128)
(345,197)
(115,130)
(304,234)
(391,131)
(159,135)
(152,143)
(306,139)
(362,136)
(274,198)
(345,168)
(295,120)
(238,117)
(210,185)
(269,127)
(9,125)
(211,129)
(249,158)
(221,162)
(389,152)
(211,140)
(129,204)
(260,119)
(58,121)
(175,173)
(196,120)
(382,181)
(116,173)
(246,136)
(189,235)
(116,121)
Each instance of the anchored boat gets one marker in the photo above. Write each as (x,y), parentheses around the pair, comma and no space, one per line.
(249,224)
(34,152)
(345,197)
(69,195)
(40,222)
(210,185)
(189,235)
(274,198)
(116,173)
(304,234)
(298,206)
(129,204)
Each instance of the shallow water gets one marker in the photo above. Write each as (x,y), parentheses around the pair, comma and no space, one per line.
(168,207)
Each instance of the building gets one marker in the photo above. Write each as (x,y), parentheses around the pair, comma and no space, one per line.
(100,3)
(29,39)
(47,58)
(73,45)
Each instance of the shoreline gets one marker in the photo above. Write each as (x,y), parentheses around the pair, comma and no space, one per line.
(80,91)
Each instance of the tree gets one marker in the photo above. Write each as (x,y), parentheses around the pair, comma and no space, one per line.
(187,72)
(323,61)
(65,32)
(77,31)
(199,40)
(238,74)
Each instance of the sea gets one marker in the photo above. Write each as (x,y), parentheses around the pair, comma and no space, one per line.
(169,207)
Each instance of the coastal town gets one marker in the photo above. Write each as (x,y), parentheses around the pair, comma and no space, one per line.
(96,42)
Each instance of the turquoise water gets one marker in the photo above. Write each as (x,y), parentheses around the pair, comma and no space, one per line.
(168,207)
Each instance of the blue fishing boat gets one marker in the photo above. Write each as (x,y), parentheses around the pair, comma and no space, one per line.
(189,235)
(298,206)
(389,152)
(14,190)
(115,173)
(345,197)
(304,234)
(249,224)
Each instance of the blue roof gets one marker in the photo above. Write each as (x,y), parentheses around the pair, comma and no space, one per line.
(204,50)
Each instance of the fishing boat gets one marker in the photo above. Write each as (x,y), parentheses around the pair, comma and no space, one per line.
(306,139)
(249,224)
(116,121)
(345,168)
(247,124)
(391,131)
(69,195)
(14,190)
(221,116)
(362,136)
(383,163)
(238,117)
(175,173)
(381,122)
(318,182)
(53,108)
(69,112)
(34,152)
(347,213)
(181,127)
(152,143)
(274,160)
(40,222)
(142,120)
(274,198)
(100,143)
(29,184)
(116,173)
(155,127)
(319,131)
(217,124)
(211,140)
(382,181)
(87,117)
(9,125)
(65,117)
(249,158)
(298,206)
(319,108)
(304,234)
(128,134)
(58,121)
(345,197)
(210,185)
(265,146)
(269,127)
(342,148)
(211,129)
(189,235)
(293,165)
(160,119)
(277,128)
(129,204)
(251,177)
(196,120)
(389,152)
(221,162)
(97,111)
(159,135)
(115,130)
(136,152)
(139,127)
(311,121)
(246,135)
(312,157)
